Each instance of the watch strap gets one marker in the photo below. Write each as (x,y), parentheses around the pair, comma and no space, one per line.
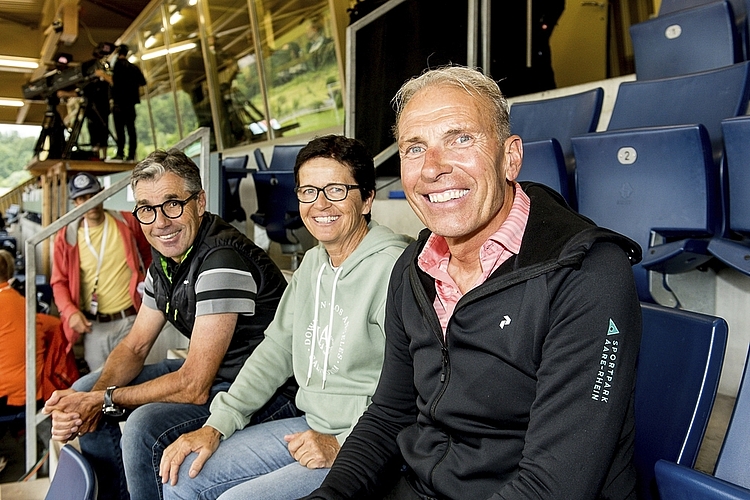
(108,396)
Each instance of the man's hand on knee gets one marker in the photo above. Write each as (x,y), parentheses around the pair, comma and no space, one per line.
(203,441)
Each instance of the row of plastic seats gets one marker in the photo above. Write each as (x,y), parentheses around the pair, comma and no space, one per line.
(690,36)
(661,187)
(278,211)
(655,174)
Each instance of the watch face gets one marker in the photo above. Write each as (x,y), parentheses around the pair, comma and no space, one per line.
(113,411)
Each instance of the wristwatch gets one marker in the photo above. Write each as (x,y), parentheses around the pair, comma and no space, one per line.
(109,408)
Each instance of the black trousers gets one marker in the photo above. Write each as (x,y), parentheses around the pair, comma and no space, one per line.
(124,118)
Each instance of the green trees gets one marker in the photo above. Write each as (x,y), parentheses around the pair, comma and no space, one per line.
(15,154)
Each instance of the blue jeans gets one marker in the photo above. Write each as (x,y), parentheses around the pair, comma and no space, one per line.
(127,464)
(254,463)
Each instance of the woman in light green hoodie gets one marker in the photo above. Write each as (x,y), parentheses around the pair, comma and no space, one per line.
(328,333)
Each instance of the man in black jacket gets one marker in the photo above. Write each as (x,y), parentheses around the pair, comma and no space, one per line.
(127,80)
(512,324)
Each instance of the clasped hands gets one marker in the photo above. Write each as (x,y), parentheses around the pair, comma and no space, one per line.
(310,448)
(73,413)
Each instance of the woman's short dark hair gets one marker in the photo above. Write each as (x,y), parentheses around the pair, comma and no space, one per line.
(351,153)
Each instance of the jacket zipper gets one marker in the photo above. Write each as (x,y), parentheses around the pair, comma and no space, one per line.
(444,351)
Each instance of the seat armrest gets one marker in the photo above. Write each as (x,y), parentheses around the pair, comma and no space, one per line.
(735,254)
(677,256)
(677,482)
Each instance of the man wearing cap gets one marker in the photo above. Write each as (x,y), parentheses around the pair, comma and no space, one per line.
(99,264)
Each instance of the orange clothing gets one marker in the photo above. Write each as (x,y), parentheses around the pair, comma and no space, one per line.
(55,366)
(13,347)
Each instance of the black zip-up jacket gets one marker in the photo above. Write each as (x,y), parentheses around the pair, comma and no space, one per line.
(176,298)
(530,394)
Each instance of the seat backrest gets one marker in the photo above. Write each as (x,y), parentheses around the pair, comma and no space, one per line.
(235,164)
(640,181)
(284,156)
(687,41)
(74,477)
(706,98)
(233,170)
(560,118)
(260,159)
(678,372)
(543,162)
(668,6)
(734,457)
(737,172)
(278,208)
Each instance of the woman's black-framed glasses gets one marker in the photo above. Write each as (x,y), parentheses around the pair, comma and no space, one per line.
(333,192)
(172,209)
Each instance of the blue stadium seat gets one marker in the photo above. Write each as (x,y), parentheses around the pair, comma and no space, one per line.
(74,477)
(733,248)
(233,169)
(687,41)
(560,118)
(679,366)
(283,157)
(669,6)
(739,7)
(706,98)
(278,209)
(731,480)
(656,185)
(543,162)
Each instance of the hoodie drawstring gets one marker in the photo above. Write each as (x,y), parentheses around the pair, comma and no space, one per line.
(314,339)
(330,326)
(316,327)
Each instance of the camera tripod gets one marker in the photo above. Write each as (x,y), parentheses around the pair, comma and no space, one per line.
(51,141)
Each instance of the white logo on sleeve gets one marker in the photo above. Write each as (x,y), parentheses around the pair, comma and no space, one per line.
(505,322)
(605,373)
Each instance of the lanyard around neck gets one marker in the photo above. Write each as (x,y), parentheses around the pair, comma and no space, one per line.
(99,256)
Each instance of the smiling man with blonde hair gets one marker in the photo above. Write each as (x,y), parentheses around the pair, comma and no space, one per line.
(498,320)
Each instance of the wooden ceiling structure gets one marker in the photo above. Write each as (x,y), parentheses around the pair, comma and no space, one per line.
(36,30)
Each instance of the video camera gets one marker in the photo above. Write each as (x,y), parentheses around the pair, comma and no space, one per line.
(64,77)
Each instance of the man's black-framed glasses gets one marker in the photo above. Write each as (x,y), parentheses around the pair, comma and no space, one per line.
(172,209)
(333,192)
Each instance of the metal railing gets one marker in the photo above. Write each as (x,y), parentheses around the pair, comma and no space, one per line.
(15,195)
(202,135)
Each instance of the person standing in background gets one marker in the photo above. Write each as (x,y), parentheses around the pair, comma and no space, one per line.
(99,264)
(127,80)
(517,74)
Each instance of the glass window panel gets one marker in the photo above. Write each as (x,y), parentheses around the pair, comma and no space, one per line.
(187,66)
(304,90)
(155,67)
(233,47)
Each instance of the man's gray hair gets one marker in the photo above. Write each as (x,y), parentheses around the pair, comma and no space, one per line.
(160,162)
(471,80)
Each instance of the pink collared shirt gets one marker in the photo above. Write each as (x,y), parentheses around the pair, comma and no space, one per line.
(497,249)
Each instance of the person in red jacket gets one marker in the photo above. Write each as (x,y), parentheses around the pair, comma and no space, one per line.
(97,274)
